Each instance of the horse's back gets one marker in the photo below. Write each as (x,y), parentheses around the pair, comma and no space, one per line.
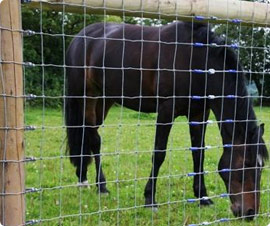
(133,61)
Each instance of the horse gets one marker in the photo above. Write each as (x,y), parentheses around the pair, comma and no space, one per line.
(178,69)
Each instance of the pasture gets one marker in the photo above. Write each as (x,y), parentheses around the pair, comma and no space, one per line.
(127,144)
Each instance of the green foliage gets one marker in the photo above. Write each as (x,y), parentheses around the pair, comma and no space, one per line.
(54,31)
(253,53)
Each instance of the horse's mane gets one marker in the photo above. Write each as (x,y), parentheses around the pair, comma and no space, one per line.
(203,33)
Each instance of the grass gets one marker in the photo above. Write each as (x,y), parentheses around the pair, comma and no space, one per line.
(127,142)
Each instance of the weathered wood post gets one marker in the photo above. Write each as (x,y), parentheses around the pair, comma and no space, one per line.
(12,204)
(224,10)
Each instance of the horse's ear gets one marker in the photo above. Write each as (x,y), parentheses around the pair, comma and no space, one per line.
(262,129)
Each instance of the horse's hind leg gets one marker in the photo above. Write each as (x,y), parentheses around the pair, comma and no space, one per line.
(82,161)
(197,134)
(90,141)
(100,177)
(81,170)
(102,108)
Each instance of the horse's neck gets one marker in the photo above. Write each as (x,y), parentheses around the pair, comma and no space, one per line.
(234,119)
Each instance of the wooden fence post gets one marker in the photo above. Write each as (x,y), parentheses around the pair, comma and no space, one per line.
(12,203)
(248,11)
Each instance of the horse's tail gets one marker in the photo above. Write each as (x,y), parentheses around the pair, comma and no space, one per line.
(77,134)
(78,145)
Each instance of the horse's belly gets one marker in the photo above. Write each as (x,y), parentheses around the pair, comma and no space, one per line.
(144,104)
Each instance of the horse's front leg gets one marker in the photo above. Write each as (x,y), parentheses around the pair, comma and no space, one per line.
(197,134)
(163,127)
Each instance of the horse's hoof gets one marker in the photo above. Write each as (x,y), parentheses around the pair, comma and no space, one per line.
(151,205)
(103,191)
(104,194)
(205,201)
(83,184)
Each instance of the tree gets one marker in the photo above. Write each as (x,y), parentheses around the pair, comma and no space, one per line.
(46,49)
(253,52)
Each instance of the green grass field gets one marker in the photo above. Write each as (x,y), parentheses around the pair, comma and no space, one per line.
(127,143)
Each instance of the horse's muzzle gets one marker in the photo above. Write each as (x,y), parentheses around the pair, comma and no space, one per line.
(248,214)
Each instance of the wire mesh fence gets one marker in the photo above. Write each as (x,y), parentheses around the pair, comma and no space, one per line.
(108,90)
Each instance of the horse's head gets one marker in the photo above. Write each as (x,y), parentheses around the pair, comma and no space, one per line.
(240,168)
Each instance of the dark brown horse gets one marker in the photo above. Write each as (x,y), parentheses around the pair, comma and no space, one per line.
(177,69)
